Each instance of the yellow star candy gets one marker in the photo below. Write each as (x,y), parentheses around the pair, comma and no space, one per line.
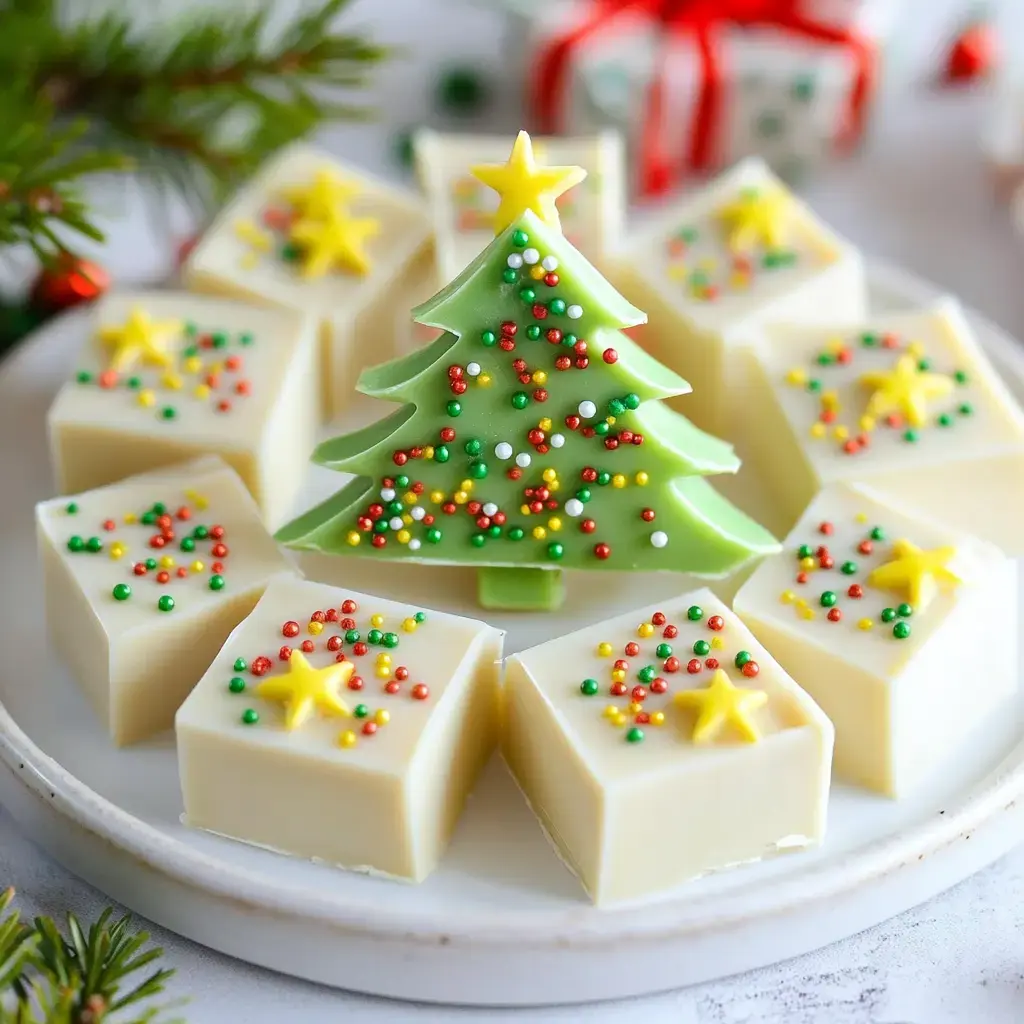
(905,389)
(139,338)
(306,689)
(334,242)
(323,198)
(755,218)
(721,704)
(523,185)
(915,573)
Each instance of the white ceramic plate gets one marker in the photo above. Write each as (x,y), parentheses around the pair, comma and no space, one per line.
(502,921)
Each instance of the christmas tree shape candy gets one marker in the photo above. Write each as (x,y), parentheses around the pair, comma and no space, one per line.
(531,437)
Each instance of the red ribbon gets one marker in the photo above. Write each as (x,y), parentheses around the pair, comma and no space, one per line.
(702,21)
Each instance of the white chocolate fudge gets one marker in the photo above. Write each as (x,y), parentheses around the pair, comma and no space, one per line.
(145,579)
(907,403)
(463,208)
(664,744)
(712,269)
(871,610)
(343,727)
(167,376)
(313,234)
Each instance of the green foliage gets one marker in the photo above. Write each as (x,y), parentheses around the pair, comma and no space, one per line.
(48,977)
(196,103)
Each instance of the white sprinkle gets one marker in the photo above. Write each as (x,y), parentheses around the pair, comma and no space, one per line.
(387,494)
(473,369)
(489,508)
(396,523)
(530,255)
(659,538)
(515,261)
(549,263)
(503,450)
(557,440)
(587,409)
(574,507)
(574,312)
(414,545)
(417,512)
(523,460)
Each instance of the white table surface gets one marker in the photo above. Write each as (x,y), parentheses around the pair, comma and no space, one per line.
(917,195)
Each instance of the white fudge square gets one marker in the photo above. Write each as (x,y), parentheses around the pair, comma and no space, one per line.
(873,611)
(638,783)
(145,579)
(266,244)
(167,376)
(463,208)
(713,268)
(365,767)
(907,403)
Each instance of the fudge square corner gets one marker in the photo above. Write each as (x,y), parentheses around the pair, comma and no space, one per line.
(906,402)
(904,631)
(342,726)
(711,269)
(314,234)
(663,744)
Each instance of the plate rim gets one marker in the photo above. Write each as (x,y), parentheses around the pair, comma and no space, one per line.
(671,919)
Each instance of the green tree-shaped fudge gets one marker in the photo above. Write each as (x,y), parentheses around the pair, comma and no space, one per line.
(530,438)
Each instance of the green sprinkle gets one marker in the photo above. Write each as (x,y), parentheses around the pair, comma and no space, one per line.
(509,276)
(159,508)
(701,648)
(477,469)
(245,338)
(632,401)
(191,330)
(557,307)
(352,636)
(516,533)
(389,640)
(527,294)
(477,540)
(604,478)
(166,603)
(520,238)
(966,409)
(289,252)
(584,495)
(453,408)
(150,563)
(814,384)
(76,543)
(960,377)
(237,684)
(695,613)
(904,611)
(71,508)
(395,508)
(848,568)
(83,377)
(147,518)
(635,735)
(433,535)
(588,687)
(804,551)
(488,339)
(239,665)
(924,365)
(828,599)
(168,412)
(420,617)
(441,453)
(216,582)
(533,332)
(122,592)
(888,614)
(663,650)
(520,400)
(616,407)
(601,429)
(134,383)
(569,340)
(646,674)
(94,544)
(944,420)
(804,87)
(824,359)
(901,630)
(250,716)
(877,533)
(742,657)
(555,550)
(910,435)
(494,530)
(360,711)
(374,637)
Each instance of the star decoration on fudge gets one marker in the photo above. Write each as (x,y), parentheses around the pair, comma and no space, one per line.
(648,691)
(334,242)
(139,340)
(905,389)
(723,704)
(335,635)
(324,197)
(757,217)
(180,364)
(867,566)
(524,185)
(916,573)
(306,689)
(877,388)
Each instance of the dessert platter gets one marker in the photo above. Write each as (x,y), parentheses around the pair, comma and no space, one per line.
(454,684)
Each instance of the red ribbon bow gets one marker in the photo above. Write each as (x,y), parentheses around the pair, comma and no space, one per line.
(701,20)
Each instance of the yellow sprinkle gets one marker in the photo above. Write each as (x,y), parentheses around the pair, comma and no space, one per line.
(610,711)
(383,658)
(130,518)
(524,510)
(604,649)
(830,399)
(807,563)
(787,597)
(407,519)
(247,231)
(554,523)
(841,433)
(382,671)
(554,485)
(197,566)
(635,707)
(677,271)
(549,475)
(801,602)
(377,620)
(861,517)
(835,344)
(403,536)
(707,263)
(618,481)
(410,497)
(539,533)
(545,423)
(314,628)
(460,497)
(618,675)
(199,500)
(437,497)
(717,642)
(193,364)
(409,625)
(539,377)
(610,420)
(166,562)
(428,452)
(658,718)
(818,430)
(201,391)
(537,272)
(171,380)
(146,397)
(865,624)
(642,478)
(353,538)
(216,368)
(807,612)
(867,423)
(738,280)
(915,349)
(117,551)
(467,486)
(620,720)
(382,716)
(347,738)
(796,376)
(645,629)
(484,380)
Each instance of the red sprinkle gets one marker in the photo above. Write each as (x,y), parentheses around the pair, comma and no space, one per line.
(693,666)
(420,691)
(355,682)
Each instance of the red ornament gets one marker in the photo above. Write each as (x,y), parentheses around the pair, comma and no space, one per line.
(68,282)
